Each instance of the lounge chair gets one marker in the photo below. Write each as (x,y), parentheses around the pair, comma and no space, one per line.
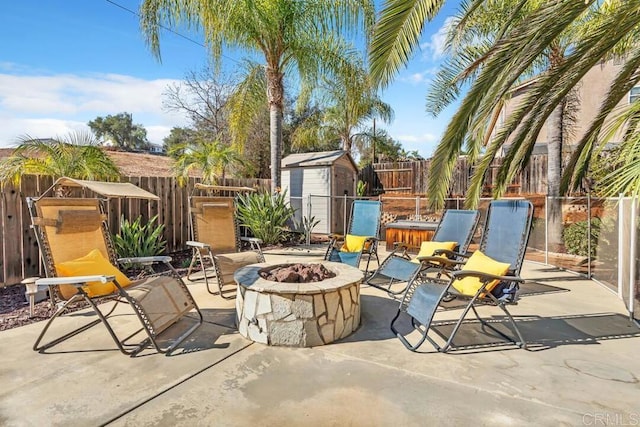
(440,255)
(490,276)
(361,238)
(80,263)
(217,242)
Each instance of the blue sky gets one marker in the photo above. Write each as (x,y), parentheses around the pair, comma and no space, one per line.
(66,62)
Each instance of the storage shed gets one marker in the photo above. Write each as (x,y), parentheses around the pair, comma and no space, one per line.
(316,184)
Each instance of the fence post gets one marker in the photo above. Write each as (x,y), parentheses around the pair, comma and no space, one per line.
(620,240)
(588,233)
(417,206)
(632,256)
(546,230)
(308,237)
(344,212)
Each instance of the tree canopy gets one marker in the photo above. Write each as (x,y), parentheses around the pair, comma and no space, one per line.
(120,131)
(289,35)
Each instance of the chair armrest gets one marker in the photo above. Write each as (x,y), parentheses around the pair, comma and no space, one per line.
(145,260)
(77,281)
(400,245)
(195,244)
(446,252)
(485,277)
(250,240)
(439,260)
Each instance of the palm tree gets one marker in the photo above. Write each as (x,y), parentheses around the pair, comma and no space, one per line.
(287,33)
(349,100)
(211,158)
(77,155)
(471,36)
(604,28)
(375,144)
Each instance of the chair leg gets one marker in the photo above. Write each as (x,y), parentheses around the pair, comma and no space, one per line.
(424,332)
(197,257)
(449,344)
(102,318)
(522,343)
(59,311)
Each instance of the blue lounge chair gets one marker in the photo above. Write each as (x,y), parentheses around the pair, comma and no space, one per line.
(451,238)
(491,275)
(361,238)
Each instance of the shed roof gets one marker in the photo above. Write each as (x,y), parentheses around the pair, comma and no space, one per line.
(320,158)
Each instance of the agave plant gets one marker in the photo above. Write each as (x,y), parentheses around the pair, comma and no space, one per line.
(139,240)
(265,215)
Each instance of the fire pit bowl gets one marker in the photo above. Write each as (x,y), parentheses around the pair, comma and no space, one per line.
(297,314)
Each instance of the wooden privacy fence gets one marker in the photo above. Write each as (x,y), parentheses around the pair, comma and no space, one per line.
(19,255)
(411,177)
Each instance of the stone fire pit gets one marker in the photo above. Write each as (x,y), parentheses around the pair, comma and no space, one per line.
(298,314)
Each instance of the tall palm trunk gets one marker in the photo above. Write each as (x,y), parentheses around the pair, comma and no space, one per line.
(554,173)
(554,162)
(275,95)
(346,143)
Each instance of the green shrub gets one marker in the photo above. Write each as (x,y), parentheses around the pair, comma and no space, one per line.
(575,237)
(137,240)
(265,215)
(361,188)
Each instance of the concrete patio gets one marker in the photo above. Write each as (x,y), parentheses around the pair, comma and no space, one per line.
(582,369)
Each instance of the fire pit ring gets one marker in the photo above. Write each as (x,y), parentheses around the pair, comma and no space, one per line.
(298,314)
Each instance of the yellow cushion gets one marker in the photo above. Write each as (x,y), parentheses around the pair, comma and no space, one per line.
(480,262)
(91,264)
(428,248)
(353,243)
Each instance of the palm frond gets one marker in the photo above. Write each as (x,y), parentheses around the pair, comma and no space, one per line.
(396,34)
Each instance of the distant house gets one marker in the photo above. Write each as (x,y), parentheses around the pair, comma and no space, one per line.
(316,185)
(157,149)
(590,92)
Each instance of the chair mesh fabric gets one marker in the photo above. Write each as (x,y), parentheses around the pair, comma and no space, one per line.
(365,218)
(507,225)
(214,223)
(229,263)
(400,269)
(83,241)
(162,301)
(456,226)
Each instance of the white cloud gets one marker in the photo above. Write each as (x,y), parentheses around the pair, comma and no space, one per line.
(436,44)
(13,128)
(424,143)
(425,137)
(422,78)
(52,105)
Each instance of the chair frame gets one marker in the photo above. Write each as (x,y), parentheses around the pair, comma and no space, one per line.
(432,291)
(371,241)
(205,251)
(123,294)
(439,264)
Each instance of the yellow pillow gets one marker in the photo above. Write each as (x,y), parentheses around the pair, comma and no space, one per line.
(480,262)
(353,243)
(428,248)
(91,264)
